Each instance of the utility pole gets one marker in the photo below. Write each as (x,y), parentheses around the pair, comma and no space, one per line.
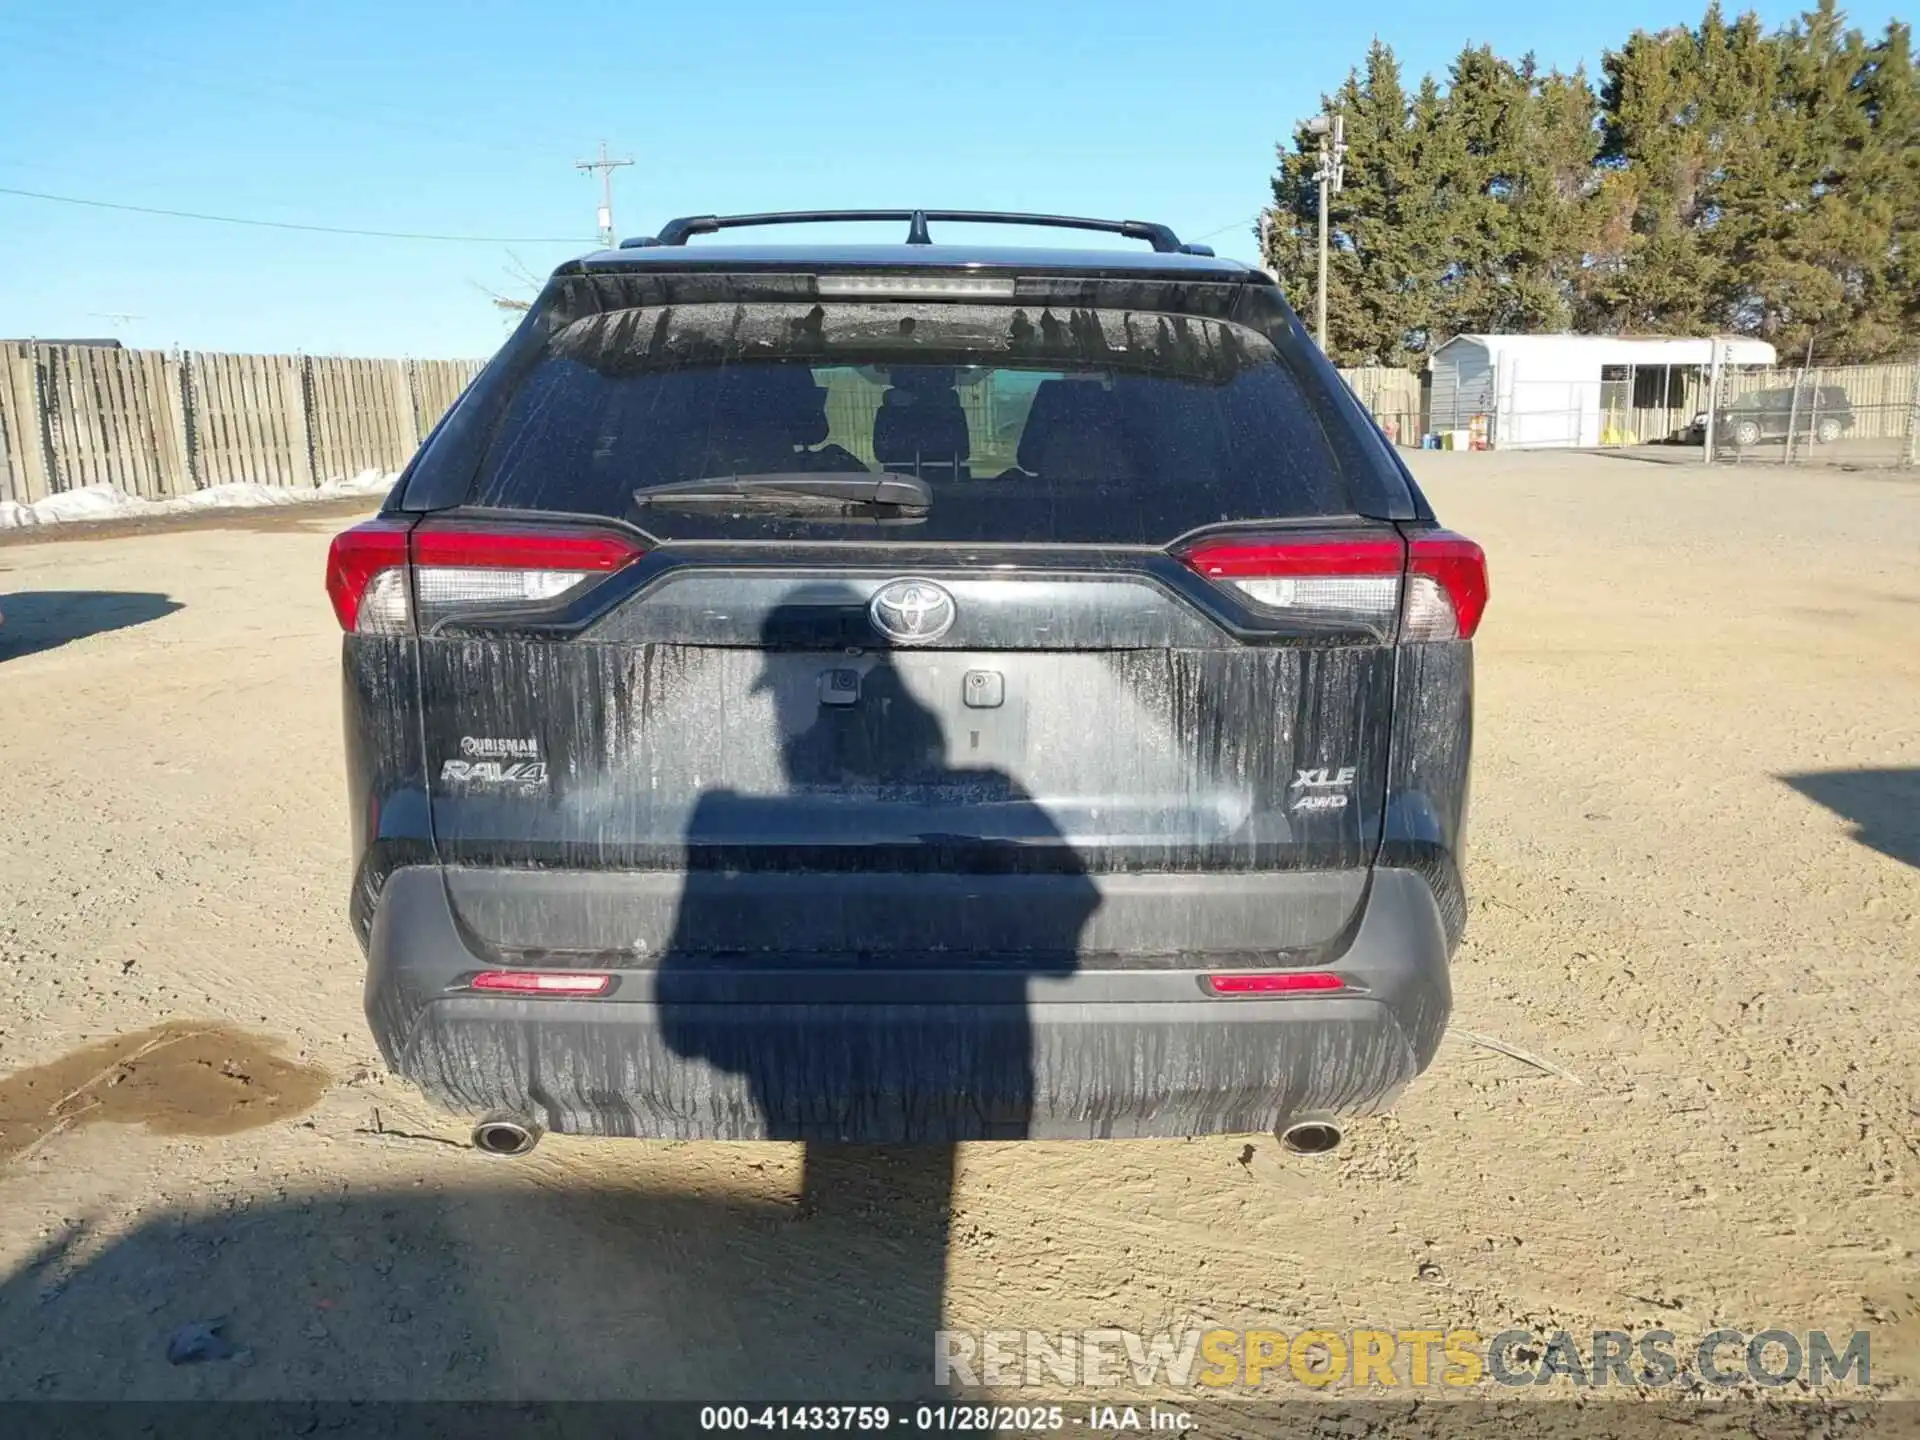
(1913,422)
(1320,289)
(1331,175)
(605,167)
(1713,400)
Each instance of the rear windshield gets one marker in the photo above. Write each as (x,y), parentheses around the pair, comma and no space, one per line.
(1025,424)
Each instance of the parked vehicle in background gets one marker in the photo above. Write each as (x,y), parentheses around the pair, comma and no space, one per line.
(908,692)
(1823,413)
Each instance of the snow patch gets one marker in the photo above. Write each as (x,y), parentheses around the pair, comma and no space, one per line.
(104,502)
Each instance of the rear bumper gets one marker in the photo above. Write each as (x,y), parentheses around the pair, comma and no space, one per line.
(1087,1054)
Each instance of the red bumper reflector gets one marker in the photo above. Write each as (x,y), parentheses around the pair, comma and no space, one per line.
(1280,982)
(542,982)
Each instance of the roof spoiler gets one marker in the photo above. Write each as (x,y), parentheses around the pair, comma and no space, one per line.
(677,232)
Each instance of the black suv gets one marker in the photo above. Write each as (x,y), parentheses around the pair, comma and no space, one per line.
(907,692)
(1822,412)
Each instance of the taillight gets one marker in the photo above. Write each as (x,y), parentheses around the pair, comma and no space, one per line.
(1327,580)
(1446,587)
(383,579)
(375,549)
(542,982)
(1434,586)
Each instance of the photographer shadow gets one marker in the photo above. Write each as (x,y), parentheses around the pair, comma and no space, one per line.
(880,1090)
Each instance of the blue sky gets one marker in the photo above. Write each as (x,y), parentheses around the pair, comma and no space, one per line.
(466,119)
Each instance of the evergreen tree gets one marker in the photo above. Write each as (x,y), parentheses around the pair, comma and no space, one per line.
(1547,152)
(1796,231)
(1887,322)
(1381,234)
(1523,163)
(1372,274)
(1722,178)
(1680,111)
(1292,224)
(1473,189)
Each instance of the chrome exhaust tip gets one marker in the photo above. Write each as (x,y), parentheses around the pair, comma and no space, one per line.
(507,1135)
(1312,1135)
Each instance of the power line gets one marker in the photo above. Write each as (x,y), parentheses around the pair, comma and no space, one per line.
(291,225)
(1236,225)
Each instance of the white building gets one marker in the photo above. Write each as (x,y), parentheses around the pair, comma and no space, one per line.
(1568,391)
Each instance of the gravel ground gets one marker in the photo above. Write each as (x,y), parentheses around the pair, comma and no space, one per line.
(1695,865)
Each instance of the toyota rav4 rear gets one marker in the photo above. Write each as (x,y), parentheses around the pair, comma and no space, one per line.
(907,692)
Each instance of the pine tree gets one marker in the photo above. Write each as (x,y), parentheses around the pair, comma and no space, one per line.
(1511,153)
(1430,228)
(1888,318)
(1546,156)
(1722,178)
(1381,238)
(1794,237)
(1473,190)
(1368,270)
(1749,182)
(1679,114)
(1292,238)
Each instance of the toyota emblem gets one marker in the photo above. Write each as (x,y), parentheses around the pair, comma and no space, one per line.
(912,612)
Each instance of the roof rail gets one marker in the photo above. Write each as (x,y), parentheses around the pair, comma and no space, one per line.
(677,232)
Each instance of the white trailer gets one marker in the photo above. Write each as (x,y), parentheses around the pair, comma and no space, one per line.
(1575,391)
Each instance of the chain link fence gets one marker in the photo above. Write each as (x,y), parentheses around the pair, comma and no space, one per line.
(1857,415)
(1861,416)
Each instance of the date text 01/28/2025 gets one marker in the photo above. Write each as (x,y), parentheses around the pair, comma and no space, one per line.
(976,1419)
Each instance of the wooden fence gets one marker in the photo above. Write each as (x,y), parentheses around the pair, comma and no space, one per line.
(159,424)
(1393,395)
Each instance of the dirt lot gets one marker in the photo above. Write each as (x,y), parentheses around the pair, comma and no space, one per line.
(1696,882)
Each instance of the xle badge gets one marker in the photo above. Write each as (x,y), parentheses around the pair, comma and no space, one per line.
(1321,789)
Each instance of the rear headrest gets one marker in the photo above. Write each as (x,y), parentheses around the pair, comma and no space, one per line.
(1069,419)
(922,424)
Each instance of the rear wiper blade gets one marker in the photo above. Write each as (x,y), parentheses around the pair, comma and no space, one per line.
(863,488)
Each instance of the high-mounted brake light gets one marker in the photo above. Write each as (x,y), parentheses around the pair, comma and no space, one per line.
(542,982)
(915,287)
(1277,982)
(383,578)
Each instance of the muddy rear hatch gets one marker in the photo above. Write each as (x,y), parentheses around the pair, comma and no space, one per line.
(921,628)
